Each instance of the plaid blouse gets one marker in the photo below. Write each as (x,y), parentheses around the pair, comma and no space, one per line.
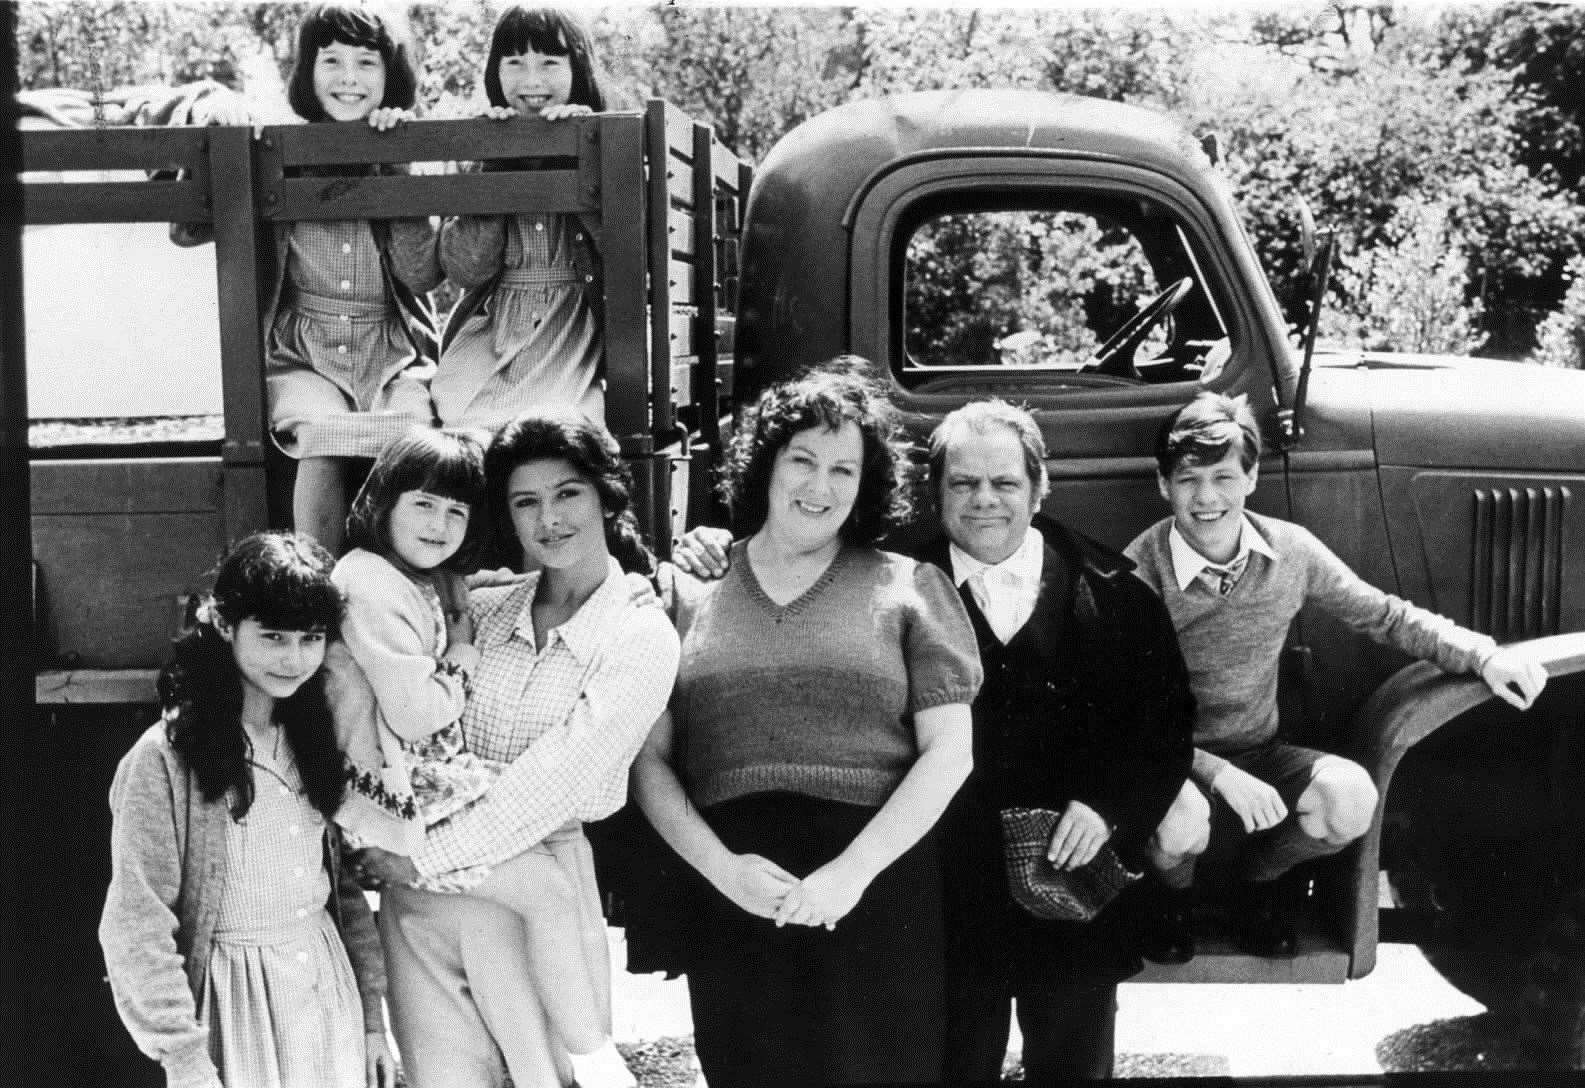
(570,717)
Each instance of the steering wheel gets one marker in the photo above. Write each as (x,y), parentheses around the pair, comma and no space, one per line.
(1115,357)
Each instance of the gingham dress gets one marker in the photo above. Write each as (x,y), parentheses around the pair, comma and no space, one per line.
(536,342)
(280,999)
(343,376)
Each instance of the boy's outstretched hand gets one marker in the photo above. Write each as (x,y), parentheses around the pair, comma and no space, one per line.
(1514,676)
(1256,803)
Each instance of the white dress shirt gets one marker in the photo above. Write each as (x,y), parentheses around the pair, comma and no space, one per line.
(1005,591)
(1188,564)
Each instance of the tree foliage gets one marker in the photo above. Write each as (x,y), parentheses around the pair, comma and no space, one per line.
(1400,128)
(1561,339)
(1408,293)
(1363,108)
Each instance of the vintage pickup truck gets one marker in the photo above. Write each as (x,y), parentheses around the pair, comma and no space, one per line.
(1078,256)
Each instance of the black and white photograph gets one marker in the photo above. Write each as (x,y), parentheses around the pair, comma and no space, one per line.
(752,545)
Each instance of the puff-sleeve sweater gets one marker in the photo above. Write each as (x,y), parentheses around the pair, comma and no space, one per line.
(816,696)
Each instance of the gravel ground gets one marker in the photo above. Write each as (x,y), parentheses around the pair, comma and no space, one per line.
(1404,1018)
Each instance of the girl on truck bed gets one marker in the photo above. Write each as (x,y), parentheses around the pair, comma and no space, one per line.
(239,951)
(349,331)
(527,329)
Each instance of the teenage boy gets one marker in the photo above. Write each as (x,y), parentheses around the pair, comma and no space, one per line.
(1085,710)
(1232,582)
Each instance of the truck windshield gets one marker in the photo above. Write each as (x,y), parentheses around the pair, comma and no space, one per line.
(1051,288)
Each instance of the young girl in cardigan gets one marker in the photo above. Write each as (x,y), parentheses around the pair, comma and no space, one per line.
(239,951)
(527,329)
(399,684)
(349,333)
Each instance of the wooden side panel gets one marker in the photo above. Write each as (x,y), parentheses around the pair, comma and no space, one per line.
(119,547)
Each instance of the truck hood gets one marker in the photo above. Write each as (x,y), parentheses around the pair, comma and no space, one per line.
(1443,411)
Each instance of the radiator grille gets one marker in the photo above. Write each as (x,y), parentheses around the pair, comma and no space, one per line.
(1516,573)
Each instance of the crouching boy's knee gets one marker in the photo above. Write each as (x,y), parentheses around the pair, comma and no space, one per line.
(1185,831)
(1340,802)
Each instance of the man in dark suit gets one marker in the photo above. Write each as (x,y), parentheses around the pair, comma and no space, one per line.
(1085,710)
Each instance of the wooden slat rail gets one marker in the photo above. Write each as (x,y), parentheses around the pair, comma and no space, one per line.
(662,291)
(462,194)
(135,200)
(114,149)
(680,233)
(625,218)
(238,245)
(115,202)
(703,331)
(664,197)
(430,141)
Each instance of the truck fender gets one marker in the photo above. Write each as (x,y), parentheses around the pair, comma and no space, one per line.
(1412,704)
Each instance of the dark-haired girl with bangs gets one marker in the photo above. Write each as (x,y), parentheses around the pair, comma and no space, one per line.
(350,336)
(527,329)
(240,953)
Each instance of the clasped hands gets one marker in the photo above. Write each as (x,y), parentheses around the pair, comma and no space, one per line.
(765,889)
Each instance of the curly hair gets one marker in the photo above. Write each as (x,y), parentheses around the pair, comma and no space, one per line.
(553,33)
(349,24)
(828,395)
(445,463)
(565,434)
(282,580)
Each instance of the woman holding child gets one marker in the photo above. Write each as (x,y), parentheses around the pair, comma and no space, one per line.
(819,728)
(570,674)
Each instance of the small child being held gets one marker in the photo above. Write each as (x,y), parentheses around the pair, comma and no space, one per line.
(526,331)
(398,688)
(1233,582)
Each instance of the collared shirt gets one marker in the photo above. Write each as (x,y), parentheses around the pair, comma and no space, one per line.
(569,716)
(1005,591)
(1188,564)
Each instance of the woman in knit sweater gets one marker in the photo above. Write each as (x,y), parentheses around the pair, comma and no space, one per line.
(819,727)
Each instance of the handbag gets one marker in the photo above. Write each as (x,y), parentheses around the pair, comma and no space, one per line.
(1071,895)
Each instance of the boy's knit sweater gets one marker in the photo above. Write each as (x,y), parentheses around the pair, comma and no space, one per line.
(1233,644)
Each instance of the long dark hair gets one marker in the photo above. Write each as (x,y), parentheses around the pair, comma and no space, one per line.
(836,392)
(445,463)
(282,580)
(565,434)
(554,33)
(348,24)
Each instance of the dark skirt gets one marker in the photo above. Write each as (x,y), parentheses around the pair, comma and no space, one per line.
(861,1004)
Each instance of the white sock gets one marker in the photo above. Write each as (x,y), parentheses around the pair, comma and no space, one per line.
(603,1067)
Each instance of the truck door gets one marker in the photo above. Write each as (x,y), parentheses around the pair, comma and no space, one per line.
(1102,296)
